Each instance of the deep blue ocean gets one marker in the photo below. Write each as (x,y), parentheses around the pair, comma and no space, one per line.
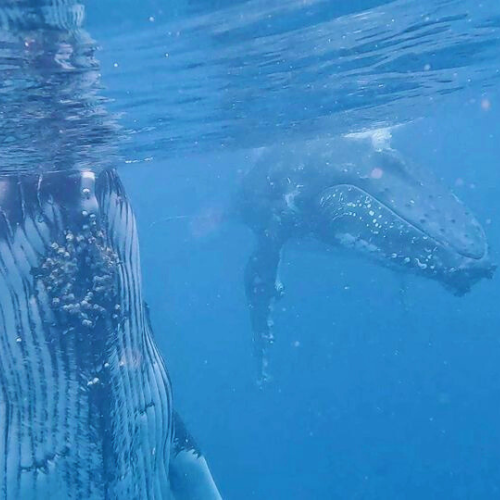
(384,386)
(372,397)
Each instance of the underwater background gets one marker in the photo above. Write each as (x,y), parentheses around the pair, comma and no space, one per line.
(383,386)
(376,393)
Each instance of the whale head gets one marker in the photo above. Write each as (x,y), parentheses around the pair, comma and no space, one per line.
(399,214)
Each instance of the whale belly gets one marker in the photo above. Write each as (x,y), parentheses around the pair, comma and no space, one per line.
(85,399)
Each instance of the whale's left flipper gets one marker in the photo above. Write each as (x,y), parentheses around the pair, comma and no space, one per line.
(263,288)
(190,477)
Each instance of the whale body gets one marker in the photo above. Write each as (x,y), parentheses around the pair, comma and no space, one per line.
(358,194)
(85,405)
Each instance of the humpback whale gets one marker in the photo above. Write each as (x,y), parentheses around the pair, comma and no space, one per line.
(355,193)
(85,399)
(86,403)
(86,408)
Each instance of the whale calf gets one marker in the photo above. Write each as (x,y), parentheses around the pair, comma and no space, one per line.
(358,194)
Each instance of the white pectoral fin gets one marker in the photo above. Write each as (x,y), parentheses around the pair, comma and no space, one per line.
(190,477)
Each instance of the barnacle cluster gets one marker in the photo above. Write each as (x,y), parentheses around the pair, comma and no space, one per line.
(79,275)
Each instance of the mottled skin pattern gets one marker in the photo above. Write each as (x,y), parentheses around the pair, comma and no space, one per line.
(358,194)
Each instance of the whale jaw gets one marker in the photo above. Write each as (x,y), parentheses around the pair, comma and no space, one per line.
(355,219)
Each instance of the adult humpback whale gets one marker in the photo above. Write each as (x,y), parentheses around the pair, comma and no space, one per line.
(356,193)
(85,400)
(85,397)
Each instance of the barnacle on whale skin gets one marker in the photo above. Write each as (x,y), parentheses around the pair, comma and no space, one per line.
(79,275)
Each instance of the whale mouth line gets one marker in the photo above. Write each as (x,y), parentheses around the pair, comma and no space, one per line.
(443,243)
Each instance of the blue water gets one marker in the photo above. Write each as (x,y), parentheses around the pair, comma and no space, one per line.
(384,386)
(372,398)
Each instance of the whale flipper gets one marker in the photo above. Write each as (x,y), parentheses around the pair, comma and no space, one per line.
(263,288)
(190,477)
